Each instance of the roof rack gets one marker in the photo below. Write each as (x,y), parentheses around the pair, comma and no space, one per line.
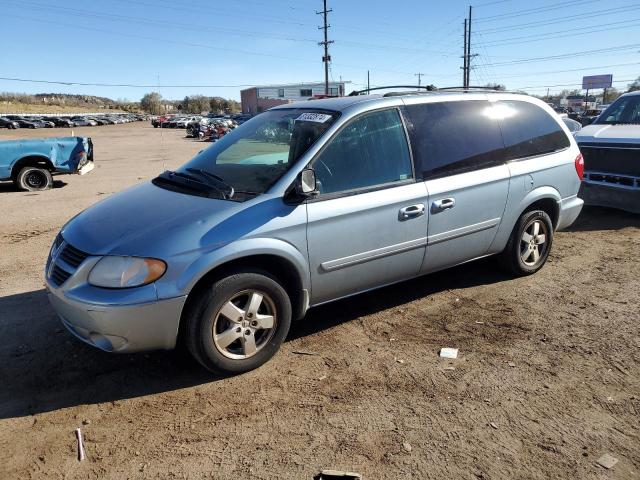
(426,88)
(473,87)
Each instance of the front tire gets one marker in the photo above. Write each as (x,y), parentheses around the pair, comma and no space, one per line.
(34,179)
(529,245)
(238,323)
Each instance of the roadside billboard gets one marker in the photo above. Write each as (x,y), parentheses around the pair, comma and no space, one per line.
(597,81)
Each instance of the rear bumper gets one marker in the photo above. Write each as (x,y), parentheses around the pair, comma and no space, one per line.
(86,168)
(623,197)
(120,328)
(570,208)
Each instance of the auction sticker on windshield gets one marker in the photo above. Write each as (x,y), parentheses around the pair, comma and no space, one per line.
(313,117)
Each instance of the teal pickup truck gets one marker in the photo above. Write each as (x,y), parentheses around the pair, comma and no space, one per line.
(30,163)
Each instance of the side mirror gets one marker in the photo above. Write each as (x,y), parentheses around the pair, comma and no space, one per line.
(306,184)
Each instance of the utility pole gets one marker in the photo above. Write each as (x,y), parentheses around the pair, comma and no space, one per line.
(368,84)
(419,75)
(326,58)
(466,69)
(464,57)
(469,49)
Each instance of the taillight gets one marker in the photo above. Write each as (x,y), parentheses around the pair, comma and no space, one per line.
(579,162)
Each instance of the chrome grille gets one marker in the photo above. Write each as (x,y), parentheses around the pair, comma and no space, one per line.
(72,256)
(59,276)
(64,260)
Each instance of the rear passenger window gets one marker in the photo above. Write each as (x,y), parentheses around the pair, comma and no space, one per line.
(453,137)
(371,150)
(528,130)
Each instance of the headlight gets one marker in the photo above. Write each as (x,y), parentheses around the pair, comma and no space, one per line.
(125,272)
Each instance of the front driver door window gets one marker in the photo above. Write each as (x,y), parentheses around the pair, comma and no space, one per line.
(368,226)
(370,151)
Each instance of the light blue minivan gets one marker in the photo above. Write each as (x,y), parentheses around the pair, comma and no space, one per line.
(308,203)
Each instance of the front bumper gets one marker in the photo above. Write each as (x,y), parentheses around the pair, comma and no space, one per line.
(600,190)
(118,327)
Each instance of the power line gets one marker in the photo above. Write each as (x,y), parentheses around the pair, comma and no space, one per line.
(533,11)
(532,87)
(568,55)
(551,35)
(95,84)
(563,20)
(193,44)
(529,74)
(201,28)
(173,24)
(491,3)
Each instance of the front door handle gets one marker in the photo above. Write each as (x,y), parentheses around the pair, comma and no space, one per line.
(443,204)
(412,211)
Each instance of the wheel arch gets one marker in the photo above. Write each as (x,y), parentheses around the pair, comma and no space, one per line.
(546,199)
(31,161)
(281,268)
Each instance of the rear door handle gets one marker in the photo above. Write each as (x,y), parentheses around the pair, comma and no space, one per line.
(443,204)
(412,211)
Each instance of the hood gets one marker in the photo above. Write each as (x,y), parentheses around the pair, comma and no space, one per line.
(609,134)
(146,220)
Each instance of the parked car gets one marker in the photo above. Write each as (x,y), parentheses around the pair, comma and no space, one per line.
(31,163)
(173,122)
(83,122)
(311,202)
(183,122)
(587,117)
(99,120)
(24,122)
(42,122)
(8,123)
(611,149)
(61,121)
(160,121)
(572,125)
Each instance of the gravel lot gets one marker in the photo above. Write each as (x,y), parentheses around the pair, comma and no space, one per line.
(547,381)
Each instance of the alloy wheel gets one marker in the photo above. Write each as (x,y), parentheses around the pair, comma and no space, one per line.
(533,245)
(244,324)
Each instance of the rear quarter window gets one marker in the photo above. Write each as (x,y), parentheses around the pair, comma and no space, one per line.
(528,130)
(453,137)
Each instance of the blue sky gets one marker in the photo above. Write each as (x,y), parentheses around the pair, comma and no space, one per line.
(249,42)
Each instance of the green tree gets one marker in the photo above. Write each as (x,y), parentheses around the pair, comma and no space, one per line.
(215,104)
(195,104)
(152,103)
(612,94)
(634,86)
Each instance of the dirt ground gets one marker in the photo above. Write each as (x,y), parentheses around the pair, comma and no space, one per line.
(547,381)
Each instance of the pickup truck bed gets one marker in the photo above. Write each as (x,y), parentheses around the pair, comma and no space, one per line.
(31,163)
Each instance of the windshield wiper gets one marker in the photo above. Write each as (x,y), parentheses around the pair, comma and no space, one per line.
(218,181)
(190,181)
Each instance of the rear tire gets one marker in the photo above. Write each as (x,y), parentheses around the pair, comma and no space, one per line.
(238,323)
(34,179)
(529,244)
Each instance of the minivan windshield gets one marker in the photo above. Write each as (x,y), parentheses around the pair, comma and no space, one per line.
(251,158)
(623,110)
